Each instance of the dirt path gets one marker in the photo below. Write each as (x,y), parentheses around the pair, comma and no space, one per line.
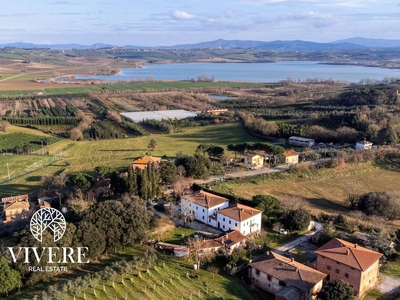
(388,284)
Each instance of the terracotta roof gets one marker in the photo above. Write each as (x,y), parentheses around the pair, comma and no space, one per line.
(252,154)
(349,254)
(239,212)
(144,160)
(46,194)
(228,239)
(289,271)
(17,205)
(231,238)
(205,199)
(290,152)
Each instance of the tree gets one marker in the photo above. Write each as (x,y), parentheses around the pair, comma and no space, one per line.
(3,125)
(296,220)
(215,151)
(9,278)
(213,269)
(152,145)
(336,290)
(168,172)
(267,204)
(80,181)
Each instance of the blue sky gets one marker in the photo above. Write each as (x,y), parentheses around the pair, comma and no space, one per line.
(154,22)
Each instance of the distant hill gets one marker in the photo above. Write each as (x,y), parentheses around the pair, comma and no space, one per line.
(296,45)
(371,43)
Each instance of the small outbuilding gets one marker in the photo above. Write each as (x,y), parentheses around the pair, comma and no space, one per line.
(365,145)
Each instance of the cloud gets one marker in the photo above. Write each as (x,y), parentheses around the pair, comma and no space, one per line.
(230,14)
(181,15)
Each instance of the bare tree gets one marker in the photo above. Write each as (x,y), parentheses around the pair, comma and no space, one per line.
(214,270)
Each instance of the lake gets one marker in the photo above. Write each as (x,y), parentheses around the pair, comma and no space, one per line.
(252,72)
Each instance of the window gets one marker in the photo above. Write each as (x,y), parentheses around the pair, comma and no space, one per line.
(257,272)
(328,267)
(236,224)
(203,217)
(196,207)
(352,268)
(338,263)
(223,226)
(229,221)
(281,283)
(337,271)
(223,219)
(269,277)
(203,209)
(346,275)
(323,256)
(209,220)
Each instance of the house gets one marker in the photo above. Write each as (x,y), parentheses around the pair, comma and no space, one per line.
(225,243)
(253,160)
(143,161)
(349,262)
(214,110)
(285,278)
(240,217)
(363,145)
(203,206)
(290,157)
(15,210)
(300,141)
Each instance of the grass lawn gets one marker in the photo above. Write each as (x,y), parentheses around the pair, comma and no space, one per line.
(392,268)
(324,190)
(178,235)
(84,156)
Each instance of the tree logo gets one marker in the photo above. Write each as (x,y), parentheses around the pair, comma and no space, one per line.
(48,218)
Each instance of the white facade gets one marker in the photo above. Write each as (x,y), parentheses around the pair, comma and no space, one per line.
(246,226)
(201,213)
(300,141)
(363,145)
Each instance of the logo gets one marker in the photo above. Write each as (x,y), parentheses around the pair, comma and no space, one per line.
(48,218)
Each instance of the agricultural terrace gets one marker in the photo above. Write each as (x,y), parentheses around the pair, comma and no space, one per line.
(84,156)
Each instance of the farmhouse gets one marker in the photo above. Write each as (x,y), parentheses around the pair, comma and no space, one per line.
(203,206)
(284,277)
(290,157)
(363,145)
(349,262)
(240,217)
(15,210)
(225,243)
(143,161)
(253,160)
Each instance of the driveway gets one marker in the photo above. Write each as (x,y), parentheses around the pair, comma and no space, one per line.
(388,284)
(300,240)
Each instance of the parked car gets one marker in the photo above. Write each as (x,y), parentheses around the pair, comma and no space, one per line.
(283,231)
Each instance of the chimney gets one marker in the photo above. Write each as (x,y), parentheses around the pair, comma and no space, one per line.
(355,245)
(267,252)
(348,251)
(292,259)
(226,235)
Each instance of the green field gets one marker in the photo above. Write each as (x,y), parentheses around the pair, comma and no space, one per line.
(86,155)
(140,86)
(324,190)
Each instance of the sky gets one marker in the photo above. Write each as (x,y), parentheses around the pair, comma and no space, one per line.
(173,22)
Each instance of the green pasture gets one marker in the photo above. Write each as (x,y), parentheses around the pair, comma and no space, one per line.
(84,156)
